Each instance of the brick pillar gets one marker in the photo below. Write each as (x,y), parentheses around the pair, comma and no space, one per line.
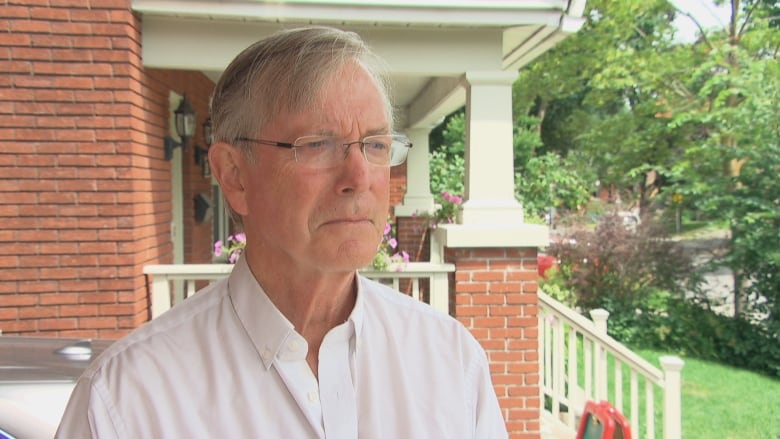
(68,166)
(84,189)
(494,295)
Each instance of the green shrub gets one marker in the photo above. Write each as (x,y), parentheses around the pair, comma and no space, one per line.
(554,285)
(651,289)
(620,267)
(691,329)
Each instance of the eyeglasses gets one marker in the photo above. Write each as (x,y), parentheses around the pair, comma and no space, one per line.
(326,151)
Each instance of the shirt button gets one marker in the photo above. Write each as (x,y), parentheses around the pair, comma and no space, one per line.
(313,396)
(294,345)
(267,355)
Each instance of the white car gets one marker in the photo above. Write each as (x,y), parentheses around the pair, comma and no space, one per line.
(37,376)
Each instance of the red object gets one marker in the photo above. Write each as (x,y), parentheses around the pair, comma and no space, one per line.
(544,262)
(601,420)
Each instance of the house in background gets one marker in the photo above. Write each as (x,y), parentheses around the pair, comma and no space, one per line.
(89,193)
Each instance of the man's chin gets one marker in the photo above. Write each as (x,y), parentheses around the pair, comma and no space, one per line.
(352,258)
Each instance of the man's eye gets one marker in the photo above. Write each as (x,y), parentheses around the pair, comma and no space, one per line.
(317,143)
(378,146)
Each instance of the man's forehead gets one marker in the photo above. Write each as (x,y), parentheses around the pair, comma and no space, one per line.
(328,123)
(334,115)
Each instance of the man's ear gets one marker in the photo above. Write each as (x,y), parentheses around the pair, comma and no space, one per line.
(228,164)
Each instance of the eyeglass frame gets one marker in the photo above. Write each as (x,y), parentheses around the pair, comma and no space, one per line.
(403,139)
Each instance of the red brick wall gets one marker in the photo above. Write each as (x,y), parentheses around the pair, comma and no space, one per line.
(493,293)
(84,190)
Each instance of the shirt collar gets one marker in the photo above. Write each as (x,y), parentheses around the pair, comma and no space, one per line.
(265,325)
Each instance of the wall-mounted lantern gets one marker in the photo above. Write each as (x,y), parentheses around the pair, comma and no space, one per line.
(185,127)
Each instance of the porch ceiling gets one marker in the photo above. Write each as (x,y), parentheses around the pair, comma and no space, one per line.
(428,44)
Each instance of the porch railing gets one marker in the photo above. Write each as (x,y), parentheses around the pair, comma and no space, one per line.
(580,362)
(170,284)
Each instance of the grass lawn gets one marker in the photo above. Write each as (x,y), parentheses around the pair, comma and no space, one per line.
(725,403)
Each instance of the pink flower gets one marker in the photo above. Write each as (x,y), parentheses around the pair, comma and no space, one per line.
(234,256)
(392,243)
(388,228)
(232,247)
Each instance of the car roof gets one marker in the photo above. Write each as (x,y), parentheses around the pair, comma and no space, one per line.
(48,359)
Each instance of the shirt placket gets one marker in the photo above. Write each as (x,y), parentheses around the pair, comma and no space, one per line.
(300,381)
(337,389)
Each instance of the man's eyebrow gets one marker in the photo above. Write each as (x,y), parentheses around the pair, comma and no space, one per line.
(373,132)
(378,132)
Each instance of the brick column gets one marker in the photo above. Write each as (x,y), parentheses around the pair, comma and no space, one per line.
(495,297)
(84,189)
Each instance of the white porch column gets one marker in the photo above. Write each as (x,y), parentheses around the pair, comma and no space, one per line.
(418,198)
(490,217)
(489,197)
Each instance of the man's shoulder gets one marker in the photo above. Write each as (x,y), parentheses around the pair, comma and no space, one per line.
(392,316)
(384,295)
(177,326)
(395,308)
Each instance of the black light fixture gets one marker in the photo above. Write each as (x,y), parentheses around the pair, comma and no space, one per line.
(201,154)
(185,127)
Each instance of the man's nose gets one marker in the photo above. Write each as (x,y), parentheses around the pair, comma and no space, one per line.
(355,172)
(359,145)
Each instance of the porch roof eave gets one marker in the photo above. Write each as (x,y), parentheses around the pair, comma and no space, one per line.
(406,13)
(429,44)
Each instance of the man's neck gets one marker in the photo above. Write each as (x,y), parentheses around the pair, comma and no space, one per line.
(314,303)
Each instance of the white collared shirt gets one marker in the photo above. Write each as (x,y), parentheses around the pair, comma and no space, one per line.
(227,363)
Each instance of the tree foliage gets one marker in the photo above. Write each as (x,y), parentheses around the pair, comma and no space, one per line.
(730,162)
(628,97)
(447,164)
(550,181)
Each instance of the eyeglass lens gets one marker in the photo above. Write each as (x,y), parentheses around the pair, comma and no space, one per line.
(329,151)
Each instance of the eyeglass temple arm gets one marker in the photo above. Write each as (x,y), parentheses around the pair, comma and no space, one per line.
(266,142)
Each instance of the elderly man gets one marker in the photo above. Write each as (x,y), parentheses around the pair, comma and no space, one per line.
(295,344)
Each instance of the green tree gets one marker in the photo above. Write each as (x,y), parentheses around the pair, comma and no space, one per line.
(629,100)
(547,181)
(731,161)
(597,94)
(447,163)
